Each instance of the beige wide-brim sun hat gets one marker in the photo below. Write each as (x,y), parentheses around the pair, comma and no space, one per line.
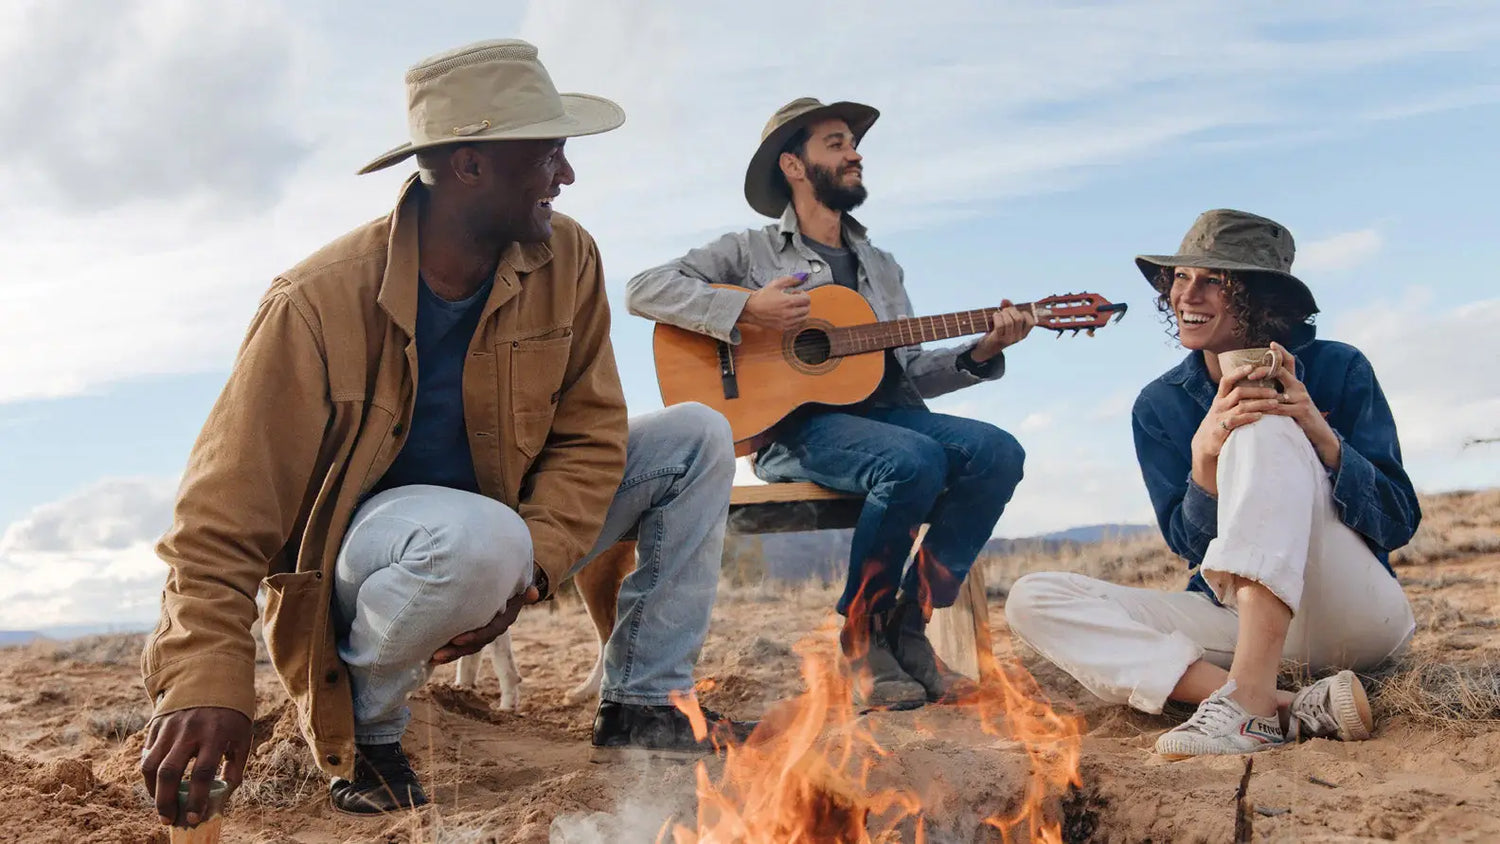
(763,187)
(492,91)
(1236,241)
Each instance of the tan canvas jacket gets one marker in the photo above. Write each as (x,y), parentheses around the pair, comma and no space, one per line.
(313,414)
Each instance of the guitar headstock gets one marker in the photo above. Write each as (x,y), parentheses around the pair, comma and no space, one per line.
(1076,312)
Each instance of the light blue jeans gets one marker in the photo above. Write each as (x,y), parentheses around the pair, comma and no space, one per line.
(421,564)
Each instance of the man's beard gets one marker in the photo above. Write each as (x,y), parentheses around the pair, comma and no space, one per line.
(827,190)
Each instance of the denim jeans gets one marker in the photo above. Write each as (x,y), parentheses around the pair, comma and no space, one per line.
(913,466)
(421,564)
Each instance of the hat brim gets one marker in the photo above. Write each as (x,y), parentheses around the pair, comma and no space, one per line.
(1150,265)
(583,114)
(762,189)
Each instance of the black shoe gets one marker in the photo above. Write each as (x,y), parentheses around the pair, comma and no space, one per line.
(383,782)
(907,633)
(879,680)
(630,730)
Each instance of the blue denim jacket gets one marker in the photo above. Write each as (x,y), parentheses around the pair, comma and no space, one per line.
(1370,488)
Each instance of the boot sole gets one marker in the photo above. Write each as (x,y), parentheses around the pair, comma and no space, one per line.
(645,754)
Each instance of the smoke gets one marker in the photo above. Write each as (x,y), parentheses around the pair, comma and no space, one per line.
(634,821)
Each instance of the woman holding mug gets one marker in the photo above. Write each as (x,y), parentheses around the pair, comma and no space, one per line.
(1278,478)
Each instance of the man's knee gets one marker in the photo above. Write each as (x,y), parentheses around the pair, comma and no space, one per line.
(999,456)
(701,429)
(481,550)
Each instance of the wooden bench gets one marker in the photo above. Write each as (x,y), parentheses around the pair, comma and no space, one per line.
(959,633)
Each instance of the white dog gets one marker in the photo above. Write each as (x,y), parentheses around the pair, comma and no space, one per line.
(599,584)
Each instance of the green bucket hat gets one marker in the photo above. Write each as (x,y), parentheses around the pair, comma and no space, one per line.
(763,188)
(1236,241)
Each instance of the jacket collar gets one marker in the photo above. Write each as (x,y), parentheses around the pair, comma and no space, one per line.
(854,231)
(1192,373)
(398,287)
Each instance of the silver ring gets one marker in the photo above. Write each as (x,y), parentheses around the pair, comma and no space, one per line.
(1224,423)
(1284,398)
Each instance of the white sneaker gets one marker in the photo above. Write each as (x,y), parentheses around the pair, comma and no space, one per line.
(1333,706)
(1221,726)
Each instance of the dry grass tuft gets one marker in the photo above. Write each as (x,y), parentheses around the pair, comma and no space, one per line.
(117,724)
(281,775)
(1447,695)
(106,649)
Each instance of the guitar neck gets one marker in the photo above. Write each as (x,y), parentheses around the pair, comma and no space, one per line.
(894,333)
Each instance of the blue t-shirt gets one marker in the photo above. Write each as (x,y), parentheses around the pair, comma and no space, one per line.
(437,444)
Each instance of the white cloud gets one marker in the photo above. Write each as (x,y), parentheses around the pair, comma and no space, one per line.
(160,123)
(1033,422)
(1436,364)
(106,103)
(88,558)
(1338,253)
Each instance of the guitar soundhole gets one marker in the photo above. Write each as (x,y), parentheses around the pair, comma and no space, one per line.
(811,347)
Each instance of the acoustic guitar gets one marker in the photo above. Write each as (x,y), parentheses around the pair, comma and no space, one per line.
(837,357)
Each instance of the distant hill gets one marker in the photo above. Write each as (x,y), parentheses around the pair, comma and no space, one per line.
(10,638)
(823,555)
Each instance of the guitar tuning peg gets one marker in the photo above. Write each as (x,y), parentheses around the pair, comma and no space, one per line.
(1091,332)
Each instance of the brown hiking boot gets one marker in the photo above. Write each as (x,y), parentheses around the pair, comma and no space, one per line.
(878,678)
(914,653)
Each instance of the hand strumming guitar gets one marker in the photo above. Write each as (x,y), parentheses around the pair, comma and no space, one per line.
(1009,326)
(777,306)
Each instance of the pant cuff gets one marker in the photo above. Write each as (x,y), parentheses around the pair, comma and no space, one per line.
(384,737)
(635,699)
(1274,570)
(1151,694)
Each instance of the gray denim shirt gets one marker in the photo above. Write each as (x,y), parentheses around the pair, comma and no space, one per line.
(676,293)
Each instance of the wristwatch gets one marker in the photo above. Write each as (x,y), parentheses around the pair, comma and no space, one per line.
(966,362)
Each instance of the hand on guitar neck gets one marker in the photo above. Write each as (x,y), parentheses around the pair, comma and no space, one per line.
(1008,326)
(778,306)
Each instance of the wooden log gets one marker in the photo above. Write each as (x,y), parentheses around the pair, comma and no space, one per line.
(960,634)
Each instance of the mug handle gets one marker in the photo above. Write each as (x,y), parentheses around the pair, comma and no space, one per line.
(1272,359)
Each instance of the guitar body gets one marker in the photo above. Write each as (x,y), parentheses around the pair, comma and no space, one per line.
(772,372)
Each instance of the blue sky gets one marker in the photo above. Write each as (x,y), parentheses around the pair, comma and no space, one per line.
(191,151)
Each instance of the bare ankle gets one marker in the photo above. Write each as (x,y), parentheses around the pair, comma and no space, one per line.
(1262,704)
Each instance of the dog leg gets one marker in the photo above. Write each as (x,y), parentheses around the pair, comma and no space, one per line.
(466,671)
(599,584)
(504,661)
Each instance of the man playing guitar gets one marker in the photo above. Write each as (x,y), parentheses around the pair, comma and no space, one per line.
(912,465)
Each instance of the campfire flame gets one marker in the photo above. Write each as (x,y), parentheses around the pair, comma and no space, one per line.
(804,776)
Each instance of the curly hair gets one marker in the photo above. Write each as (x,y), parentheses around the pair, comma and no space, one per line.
(1263,309)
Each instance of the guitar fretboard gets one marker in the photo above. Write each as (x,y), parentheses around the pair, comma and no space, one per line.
(874,336)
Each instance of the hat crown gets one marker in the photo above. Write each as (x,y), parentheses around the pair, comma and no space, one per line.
(482,87)
(1241,237)
(789,112)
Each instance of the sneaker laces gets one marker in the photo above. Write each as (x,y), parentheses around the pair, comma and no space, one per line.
(1217,715)
(1313,708)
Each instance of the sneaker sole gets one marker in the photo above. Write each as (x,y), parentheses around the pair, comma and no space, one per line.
(1178,757)
(1351,707)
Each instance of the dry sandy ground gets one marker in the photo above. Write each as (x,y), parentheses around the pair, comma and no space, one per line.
(70,719)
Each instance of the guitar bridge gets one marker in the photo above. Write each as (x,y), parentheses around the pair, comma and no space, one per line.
(726,371)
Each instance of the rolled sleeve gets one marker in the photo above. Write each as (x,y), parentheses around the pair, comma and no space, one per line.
(1200,509)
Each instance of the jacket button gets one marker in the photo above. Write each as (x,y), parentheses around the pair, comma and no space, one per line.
(397,429)
(334,759)
(331,677)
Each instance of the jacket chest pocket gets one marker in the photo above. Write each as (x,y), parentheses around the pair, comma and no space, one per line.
(537,370)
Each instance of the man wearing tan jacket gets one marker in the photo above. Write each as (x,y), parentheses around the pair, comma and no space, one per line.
(423,432)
